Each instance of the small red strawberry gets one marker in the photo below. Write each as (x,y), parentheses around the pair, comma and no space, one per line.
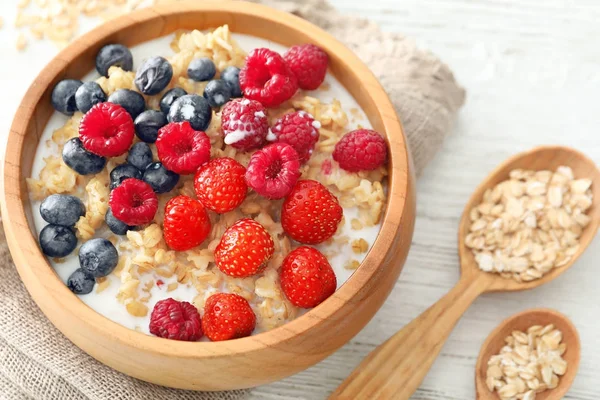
(178,320)
(273,171)
(106,130)
(181,149)
(310,213)
(244,249)
(306,277)
(133,202)
(220,184)
(227,316)
(244,124)
(298,129)
(186,223)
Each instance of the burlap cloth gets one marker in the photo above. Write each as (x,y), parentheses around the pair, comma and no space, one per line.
(37,361)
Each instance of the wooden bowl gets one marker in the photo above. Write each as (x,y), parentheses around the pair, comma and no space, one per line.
(240,363)
(521,322)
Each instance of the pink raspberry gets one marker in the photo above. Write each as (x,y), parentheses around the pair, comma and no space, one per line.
(106,130)
(182,149)
(273,171)
(177,320)
(244,124)
(360,150)
(299,130)
(309,64)
(267,78)
(133,202)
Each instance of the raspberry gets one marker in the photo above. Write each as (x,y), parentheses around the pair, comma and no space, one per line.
(299,130)
(244,249)
(106,130)
(360,150)
(133,202)
(181,149)
(273,171)
(309,64)
(310,214)
(177,320)
(267,78)
(220,184)
(227,316)
(307,278)
(244,124)
(186,223)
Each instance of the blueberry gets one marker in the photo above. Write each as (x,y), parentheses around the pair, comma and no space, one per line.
(57,240)
(80,282)
(80,160)
(62,209)
(153,76)
(131,101)
(217,92)
(140,156)
(201,69)
(192,108)
(148,123)
(63,96)
(231,75)
(161,179)
(122,172)
(113,55)
(117,226)
(169,98)
(88,95)
(98,257)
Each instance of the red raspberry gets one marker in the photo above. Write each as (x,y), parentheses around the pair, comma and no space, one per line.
(244,124)
(273,171)
(309,64)
(106,130)
(298,129)
(133,202)
(267,78)
(360,150)
(177,320)
(181,149)
(310,214)
(244,249)
(306,277)
(220,184)
(227,316)
(186,223)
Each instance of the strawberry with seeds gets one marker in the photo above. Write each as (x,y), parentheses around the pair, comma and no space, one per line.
(227,316)
(220,184)
(186,223)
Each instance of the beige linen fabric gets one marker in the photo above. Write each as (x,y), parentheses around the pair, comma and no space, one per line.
(36,361)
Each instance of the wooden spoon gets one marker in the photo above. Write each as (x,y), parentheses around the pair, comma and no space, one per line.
(522,322)
(395,369)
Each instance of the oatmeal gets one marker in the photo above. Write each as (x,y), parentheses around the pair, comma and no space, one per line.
(151,267)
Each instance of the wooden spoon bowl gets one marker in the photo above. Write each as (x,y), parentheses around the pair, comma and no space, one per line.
(521,322)
(396,368)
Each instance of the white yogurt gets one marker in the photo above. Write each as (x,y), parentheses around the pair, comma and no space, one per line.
(106,302)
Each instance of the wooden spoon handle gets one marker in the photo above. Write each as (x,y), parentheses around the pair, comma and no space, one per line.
(395,369)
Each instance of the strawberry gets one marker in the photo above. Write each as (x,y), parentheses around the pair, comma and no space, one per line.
(186,223)
(227,316)
(220,184)
(306,277)
(310,213)
(244,249)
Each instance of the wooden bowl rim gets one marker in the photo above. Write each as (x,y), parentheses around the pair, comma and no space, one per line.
(16,220)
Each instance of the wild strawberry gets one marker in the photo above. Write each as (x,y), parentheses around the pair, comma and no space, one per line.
(227,316)
(273,171)
(220,184)
(306,277)
(181,149)
(244,249)
(310,214)
(244,124)
(298,129)
(186,223)
(178,320)
(106,130)
(360,150)
(267,78)
(309,64)
(133,202)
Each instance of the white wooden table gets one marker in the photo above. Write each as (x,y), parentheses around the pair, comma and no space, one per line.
(532,72)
